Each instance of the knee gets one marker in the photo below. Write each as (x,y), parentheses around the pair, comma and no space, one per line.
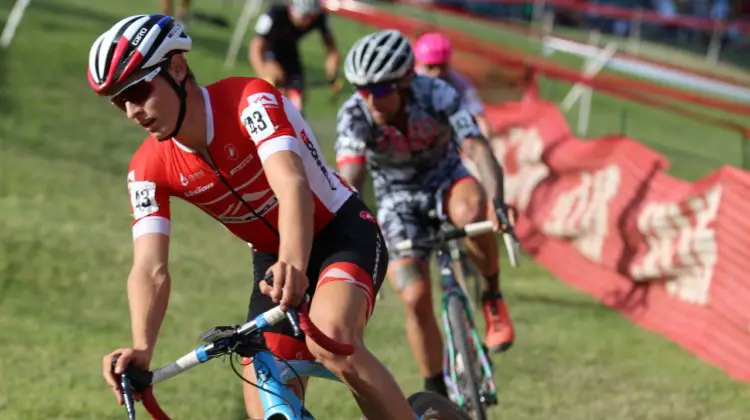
(470,209)
(417,299)
(341,366)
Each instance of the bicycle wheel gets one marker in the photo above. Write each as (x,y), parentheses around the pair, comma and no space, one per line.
(431,406)
(469,382)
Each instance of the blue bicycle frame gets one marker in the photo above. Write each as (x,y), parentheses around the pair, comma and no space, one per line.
(278,399)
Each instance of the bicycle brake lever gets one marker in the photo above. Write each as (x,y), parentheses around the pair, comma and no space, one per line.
(268,278)
(503,218)
(127,395)
(293,318)
(291,313)
(126,390)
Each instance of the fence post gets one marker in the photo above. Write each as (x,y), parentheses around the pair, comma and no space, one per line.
(634,41)
(14,19)
(714,46)
(250,9)
(547,24)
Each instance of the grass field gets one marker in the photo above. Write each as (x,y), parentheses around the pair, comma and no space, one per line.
(65,251)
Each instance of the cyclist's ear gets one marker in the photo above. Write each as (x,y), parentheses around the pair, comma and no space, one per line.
(178,67)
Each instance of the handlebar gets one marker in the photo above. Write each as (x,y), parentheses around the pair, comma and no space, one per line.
(221,340)
(470,230)
(435,241)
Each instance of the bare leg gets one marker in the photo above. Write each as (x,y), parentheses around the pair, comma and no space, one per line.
(339,309)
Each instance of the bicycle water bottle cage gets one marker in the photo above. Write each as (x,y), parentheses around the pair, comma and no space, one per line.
(216,333)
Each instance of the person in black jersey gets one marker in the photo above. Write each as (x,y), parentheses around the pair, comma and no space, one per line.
(274,52)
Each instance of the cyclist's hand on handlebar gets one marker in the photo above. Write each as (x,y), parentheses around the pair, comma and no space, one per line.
(138,358)
(510,212)
(289,285)
(492,215)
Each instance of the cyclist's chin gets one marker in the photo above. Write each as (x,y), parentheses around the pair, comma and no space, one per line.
(159,132)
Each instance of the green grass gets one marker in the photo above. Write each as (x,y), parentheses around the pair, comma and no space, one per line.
(65,251)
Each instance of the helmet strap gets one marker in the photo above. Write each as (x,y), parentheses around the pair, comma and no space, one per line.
(182,95)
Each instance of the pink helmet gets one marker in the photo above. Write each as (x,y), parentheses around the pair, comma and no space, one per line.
(433,48)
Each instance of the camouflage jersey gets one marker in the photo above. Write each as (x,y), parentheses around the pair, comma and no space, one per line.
(419,160)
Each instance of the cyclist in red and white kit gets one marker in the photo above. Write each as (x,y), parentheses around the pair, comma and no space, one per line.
(242,153)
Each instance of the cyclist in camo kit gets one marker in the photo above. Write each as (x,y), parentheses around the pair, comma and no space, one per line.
(406,130)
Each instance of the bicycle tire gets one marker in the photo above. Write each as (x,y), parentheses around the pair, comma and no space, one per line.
(457,319)
(431,406)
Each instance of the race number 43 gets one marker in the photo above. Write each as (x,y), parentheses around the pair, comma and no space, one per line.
(143,198)
(257,122)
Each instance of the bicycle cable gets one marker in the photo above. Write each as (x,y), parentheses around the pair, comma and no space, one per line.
(234,369)
(296,375)
(289,365)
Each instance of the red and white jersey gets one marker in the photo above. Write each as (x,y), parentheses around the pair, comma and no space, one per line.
(247,120)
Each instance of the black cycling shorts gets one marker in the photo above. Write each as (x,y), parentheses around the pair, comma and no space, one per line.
(351,242)
(292,65)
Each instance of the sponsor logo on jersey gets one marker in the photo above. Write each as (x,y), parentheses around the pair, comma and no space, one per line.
(185,180)
(267,100)
(199,190)
(367,216)
(231,151)
(241,165)
(314,153)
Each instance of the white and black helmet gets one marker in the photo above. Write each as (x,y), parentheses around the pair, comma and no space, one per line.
(134,44)
(305,7)
(379,57)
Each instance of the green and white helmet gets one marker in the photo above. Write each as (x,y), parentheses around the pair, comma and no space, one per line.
(379,57)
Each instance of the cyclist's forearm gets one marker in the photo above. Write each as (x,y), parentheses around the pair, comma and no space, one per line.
(148,296)
(490,173)
(484,126)
(256,58)
(354,175)
(296,212)
(332,62)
